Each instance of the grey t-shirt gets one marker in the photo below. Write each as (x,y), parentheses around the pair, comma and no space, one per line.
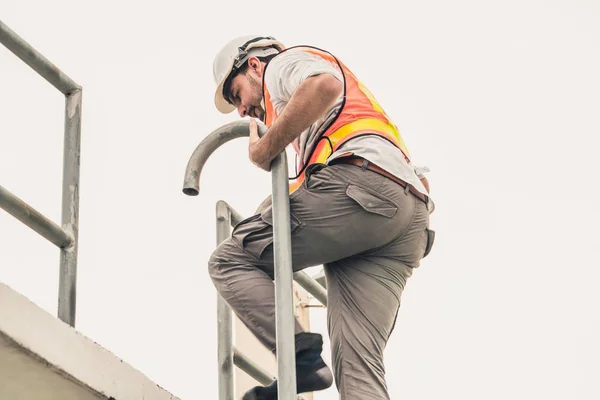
(287,71)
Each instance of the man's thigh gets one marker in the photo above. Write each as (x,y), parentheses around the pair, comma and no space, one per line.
(340,211)
(364,295)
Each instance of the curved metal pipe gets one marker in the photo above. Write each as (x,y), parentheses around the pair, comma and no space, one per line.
(217,138)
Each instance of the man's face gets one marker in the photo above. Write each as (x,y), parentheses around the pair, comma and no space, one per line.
(246,91)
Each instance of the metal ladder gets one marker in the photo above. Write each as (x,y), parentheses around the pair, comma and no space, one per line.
(227,217)
(64,237)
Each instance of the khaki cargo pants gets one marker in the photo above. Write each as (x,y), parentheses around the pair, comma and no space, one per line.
(368,232)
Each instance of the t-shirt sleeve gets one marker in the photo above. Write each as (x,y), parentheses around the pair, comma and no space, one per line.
(288,70)
(421,171)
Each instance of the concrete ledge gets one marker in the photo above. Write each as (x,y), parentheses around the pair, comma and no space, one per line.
(43,358)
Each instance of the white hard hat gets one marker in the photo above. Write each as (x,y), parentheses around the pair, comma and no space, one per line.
(233,55)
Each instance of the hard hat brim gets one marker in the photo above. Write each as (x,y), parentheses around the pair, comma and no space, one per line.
(222,105)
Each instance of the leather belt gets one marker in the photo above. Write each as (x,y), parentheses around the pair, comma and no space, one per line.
(359,162)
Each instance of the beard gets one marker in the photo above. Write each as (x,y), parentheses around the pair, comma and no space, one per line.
(256,110)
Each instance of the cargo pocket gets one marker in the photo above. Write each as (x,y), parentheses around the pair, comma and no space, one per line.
(255,234)
(430,240)
(371,201)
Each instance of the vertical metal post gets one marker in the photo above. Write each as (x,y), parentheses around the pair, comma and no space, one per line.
(224,319)
(284,301)
(67,291)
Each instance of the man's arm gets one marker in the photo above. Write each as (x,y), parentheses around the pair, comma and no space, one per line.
(425,183)
(311,100)
(420,171)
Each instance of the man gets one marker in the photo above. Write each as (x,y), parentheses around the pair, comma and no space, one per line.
(357,206)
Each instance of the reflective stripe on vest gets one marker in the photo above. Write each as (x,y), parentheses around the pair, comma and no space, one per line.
(360,114)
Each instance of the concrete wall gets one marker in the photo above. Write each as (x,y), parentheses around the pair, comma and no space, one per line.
(42,358)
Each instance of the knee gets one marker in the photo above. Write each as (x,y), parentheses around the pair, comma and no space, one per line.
(216,263)
(226,263)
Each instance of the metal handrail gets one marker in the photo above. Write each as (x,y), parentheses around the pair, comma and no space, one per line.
(36,61)
(66,236)
(284,315)
(34,219)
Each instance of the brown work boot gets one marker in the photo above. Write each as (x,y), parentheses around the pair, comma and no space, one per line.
(312,373)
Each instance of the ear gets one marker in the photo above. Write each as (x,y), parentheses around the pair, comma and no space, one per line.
(255,65)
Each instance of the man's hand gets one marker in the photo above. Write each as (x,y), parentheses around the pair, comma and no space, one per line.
(255,154)
(310,101)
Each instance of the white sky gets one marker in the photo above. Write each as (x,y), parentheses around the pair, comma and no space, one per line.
(500,101)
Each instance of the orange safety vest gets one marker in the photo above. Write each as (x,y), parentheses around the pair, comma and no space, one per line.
(359,115)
